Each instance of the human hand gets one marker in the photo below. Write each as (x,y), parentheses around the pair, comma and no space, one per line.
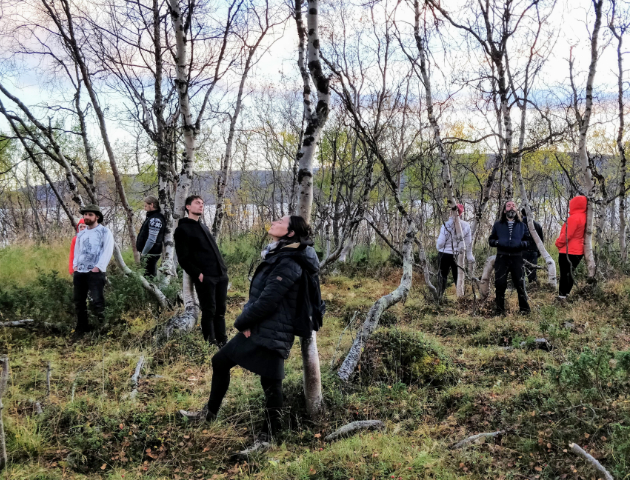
(201,277)
(95,270)
(247,333)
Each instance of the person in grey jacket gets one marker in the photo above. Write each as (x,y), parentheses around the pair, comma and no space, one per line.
(93,250)
(448,249)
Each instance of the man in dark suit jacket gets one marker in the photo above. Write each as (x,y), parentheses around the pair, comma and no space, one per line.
(532,254)
(199,256)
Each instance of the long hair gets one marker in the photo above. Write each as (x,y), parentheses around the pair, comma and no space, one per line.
(301,232)
(504,218)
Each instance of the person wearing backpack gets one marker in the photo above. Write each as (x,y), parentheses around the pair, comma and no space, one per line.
(269,320)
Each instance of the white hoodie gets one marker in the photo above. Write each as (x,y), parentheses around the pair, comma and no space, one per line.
(446,242)
(93,248)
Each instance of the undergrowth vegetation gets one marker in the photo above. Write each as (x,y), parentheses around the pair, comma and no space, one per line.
(435,374)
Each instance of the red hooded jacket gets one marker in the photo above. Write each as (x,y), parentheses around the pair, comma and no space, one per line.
(74,240)
(574,229)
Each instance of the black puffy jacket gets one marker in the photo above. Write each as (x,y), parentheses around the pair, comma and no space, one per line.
(506,243)
(274,296)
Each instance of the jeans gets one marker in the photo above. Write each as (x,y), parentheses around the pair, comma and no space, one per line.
(531,257)
(567,264)
(213,303)
(221,366)
(94,283)
(512,264)
(447,262)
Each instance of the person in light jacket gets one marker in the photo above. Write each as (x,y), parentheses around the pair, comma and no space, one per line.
(570,244)
(92,252)
(448,249)
(266,324)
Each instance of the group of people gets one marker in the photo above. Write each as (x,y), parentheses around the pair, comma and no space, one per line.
(517,253)
(269,321)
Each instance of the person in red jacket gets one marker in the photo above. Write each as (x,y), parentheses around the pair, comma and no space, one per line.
(570,244)
(80,226)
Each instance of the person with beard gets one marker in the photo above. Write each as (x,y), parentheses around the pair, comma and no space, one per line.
(531,254)
(199,256)
(510,237)
(151,236)
(92,252)
(267,323)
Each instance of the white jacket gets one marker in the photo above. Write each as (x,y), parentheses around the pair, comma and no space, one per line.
(93,248)
(446,242)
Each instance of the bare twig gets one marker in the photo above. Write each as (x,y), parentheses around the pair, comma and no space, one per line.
(4,377)
(48,372)
(590,459)
(18,323)
(474,438)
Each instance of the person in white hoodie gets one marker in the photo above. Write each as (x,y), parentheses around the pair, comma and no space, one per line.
(448,249)
(92,253)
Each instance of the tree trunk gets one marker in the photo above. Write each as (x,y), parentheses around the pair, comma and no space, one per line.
(484,285)
(315,121)
(447,182)
(382,304)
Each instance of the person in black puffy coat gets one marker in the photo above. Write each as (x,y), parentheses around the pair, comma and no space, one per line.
(265,325)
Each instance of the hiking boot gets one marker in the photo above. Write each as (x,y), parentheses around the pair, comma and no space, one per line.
(203,415)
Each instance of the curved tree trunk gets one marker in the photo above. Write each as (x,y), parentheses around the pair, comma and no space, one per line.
(484,285)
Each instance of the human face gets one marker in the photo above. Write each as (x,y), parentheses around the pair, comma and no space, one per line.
(280,228)
(82,226)
(90,219)
(148,207)
(196,207)
(510,206)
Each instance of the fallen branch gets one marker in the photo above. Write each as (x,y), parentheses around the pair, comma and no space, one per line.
(136,376)
(27,322)
(4,377)
(590,459)
(48,372)
(474,438)
(352,428)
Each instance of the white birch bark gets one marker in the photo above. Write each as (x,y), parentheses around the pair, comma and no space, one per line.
(584,123)
(444,160)
(371,322)
(315,120)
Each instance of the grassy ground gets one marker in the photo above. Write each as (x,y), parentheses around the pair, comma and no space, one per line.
(434,374)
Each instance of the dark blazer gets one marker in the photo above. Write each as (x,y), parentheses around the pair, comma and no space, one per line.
(532,245)
(197,252)
(507,244)
(273,297)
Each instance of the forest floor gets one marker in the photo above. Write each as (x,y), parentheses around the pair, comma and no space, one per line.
(434,374)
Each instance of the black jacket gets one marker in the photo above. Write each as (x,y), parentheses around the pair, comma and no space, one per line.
(532,245)
(274,296)
(197,252)
(154,221)
(507,244)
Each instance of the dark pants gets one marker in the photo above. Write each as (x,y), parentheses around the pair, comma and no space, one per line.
(512,264)
(94,284)
(531,257)
(221,366)
(213,302)
(447,262)
(567,264)
(150,267)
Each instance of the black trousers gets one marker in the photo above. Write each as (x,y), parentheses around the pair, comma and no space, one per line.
(567,264)
(213,303)
(150,267)
(513,265)
(221,366)
(531,257)
(447,262)
(94,284)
